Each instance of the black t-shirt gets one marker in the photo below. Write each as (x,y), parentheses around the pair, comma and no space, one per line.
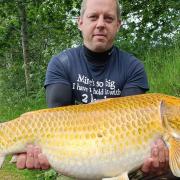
(91,81)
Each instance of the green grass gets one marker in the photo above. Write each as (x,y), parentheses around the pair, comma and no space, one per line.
(14,108)
(163,69)
(10,172)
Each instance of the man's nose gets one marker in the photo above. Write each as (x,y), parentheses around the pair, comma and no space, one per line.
(100,22)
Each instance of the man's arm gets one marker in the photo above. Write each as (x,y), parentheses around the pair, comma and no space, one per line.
(58,95)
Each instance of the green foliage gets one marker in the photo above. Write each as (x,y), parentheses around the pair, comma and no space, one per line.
(48,24)
(147,24)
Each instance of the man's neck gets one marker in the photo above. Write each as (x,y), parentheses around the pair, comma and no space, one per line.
(99,58)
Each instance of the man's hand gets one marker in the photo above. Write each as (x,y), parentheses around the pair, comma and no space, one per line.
(158,163)
(32,159)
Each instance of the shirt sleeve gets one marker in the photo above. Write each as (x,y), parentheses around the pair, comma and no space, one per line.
(136,76)
(58,95)
(57,70)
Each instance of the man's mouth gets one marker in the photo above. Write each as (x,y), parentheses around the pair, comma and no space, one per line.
(100,35)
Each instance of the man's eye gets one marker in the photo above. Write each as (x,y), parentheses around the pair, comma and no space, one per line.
(109,19)
(93,18)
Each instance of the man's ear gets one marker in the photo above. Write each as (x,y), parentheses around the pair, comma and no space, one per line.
(79,22)
(118,25)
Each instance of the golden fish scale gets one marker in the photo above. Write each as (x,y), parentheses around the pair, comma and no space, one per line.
(116,127)
(95,121)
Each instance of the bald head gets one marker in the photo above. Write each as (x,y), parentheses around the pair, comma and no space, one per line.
(83,8)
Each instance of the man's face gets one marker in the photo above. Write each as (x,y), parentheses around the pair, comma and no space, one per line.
(99,24)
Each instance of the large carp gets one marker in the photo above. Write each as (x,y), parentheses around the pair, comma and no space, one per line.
(105,139)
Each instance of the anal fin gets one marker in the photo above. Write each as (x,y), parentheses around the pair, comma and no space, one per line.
(123,176)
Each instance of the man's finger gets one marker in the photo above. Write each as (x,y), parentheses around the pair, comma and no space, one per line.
(161,149)
(21,161)
(162,156)
(30,157)
(43,161)
(167,153)
(147,165)
(36,160)
(155,157)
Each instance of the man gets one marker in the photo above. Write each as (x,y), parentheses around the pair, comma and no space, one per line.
(96,70)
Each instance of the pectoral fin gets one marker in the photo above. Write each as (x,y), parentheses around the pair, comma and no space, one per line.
(174,156)
(2,158)
(123,176)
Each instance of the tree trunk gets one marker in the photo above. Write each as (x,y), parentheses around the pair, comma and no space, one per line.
(25,45)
